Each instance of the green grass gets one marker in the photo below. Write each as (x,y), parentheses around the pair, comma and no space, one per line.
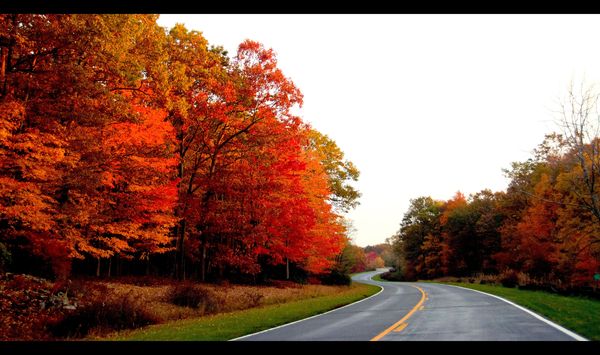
(579,314)
(378,278)
(232,325)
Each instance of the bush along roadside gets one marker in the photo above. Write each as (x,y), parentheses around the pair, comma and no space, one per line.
(33,308)
(231,325)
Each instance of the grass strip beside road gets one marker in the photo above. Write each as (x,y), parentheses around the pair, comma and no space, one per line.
(578,314)
(235,324)
(378,278)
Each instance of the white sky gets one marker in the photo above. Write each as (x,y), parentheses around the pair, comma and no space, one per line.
(422,104)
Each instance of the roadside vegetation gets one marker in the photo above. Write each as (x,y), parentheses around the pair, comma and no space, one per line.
(235,324)
(34,308)
(378,277)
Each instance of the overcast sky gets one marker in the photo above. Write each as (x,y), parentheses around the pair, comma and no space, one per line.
(422,104)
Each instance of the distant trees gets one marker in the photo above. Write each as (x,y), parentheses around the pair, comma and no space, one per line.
(544,225)
(420,222)
(120,140)
(352,259)
(579,142)
(355,259)
(374,261)
(384,251)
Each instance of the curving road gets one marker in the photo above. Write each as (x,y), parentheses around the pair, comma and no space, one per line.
(419,311)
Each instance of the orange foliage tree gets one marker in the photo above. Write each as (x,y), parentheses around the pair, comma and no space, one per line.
(71,83)
(542,226)
(121,139)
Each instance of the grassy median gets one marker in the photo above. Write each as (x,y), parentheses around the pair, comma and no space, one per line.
(579,314)
(234,324)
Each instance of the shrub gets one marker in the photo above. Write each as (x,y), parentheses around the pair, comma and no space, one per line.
(509,278)
(189,295)
(26,304)
(282,284)
(5,257)
(396,275)
(104,312)
(253,298)
(336,277)
(143,280)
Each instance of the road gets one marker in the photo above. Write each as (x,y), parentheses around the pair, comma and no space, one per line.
(419,311)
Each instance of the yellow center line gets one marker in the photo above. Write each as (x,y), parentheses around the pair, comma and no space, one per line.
(408,315)
(401,327)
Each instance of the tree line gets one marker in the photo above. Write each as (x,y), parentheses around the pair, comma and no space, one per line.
(127,147)
(546,225)
(354,258)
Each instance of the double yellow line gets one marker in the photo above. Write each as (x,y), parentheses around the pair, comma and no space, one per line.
(400,324)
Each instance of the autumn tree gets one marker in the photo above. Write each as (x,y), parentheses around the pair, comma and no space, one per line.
(119,193)
(66,80)
(251,188)
(470,233)
(564,237)
(344,196)
(385,251)
(254,94)
(486,206)
(32,147)
(374,261)
(122,140)
(545,225)
(352,259)
(579,120)
(421,219)
(196,96)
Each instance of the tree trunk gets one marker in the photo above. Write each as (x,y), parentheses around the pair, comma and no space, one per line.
(109,267)
(118,271)
(209,267)
(176,254)
(3,58)
(182,250)
(148,265)
(287,262)
(98,268)
(203,263)
(179,229)
(6,55)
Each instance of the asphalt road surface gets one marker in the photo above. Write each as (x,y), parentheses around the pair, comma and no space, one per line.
(419,311)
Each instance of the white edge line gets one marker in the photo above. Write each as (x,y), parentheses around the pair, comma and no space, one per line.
(562,329)
(316,315)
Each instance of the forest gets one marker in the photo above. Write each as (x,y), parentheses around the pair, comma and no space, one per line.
(131,149)
(543,231)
